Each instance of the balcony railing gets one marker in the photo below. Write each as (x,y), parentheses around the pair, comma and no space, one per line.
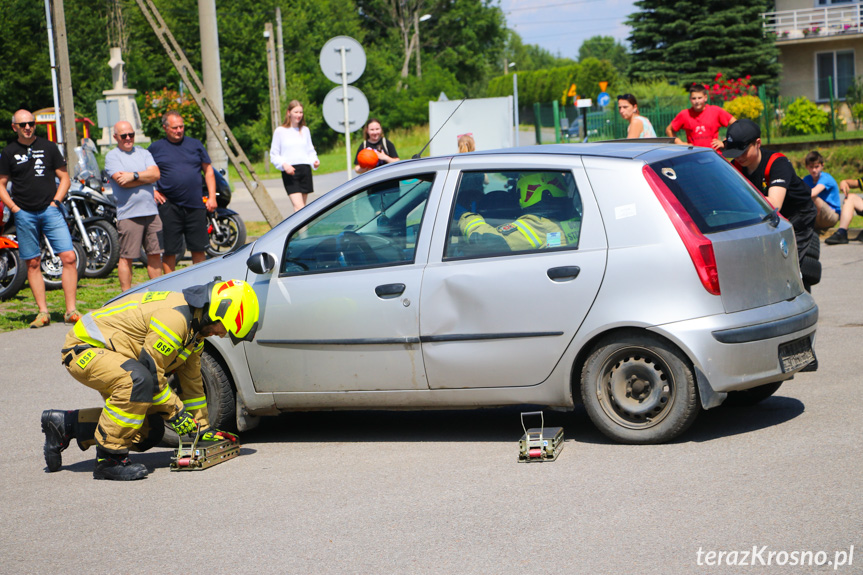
(813,22)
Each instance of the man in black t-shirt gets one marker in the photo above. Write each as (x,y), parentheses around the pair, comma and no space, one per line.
(31,163)
(773,175)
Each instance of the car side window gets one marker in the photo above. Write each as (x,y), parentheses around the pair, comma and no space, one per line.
(505,212)
(379,226)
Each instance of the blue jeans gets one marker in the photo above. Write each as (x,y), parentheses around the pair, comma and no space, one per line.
(31,226)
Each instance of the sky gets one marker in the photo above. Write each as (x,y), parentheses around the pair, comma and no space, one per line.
(560,26)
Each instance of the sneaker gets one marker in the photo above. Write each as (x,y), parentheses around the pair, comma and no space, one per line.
(43,318)
(72,316)
(859,237)
(56,437)
(118,469)
(839,237)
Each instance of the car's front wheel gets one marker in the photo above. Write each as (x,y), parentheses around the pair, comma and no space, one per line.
(639,389)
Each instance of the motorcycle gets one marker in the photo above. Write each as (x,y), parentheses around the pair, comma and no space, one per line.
(92,217)
(226,228)
(13,273)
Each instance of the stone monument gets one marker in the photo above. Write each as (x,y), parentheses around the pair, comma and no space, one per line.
(125,99)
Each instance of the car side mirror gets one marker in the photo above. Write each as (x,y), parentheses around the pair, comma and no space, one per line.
(261,263)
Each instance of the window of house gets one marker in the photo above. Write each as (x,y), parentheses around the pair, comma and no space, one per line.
(832,2)
(837,65)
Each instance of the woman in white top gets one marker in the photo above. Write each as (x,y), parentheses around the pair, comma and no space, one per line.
(292,152)
(639,126)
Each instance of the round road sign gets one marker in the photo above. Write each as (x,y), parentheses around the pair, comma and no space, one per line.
(331,59)
(334,109)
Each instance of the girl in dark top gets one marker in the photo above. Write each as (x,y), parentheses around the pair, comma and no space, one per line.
(374,139)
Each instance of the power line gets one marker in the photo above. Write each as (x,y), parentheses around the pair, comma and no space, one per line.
(571,3)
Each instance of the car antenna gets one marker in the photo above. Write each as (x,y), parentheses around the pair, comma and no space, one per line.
(420,153)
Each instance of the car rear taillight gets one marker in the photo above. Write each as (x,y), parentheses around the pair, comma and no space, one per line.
(699,247)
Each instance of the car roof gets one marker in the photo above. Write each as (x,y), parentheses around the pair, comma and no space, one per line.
(619,149)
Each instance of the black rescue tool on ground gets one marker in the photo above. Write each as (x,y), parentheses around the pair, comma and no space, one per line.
(539,443)
(194,458)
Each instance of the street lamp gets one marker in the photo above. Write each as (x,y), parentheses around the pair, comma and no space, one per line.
(417,20)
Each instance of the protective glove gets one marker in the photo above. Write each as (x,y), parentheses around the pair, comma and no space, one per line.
(183,423)
(218,435)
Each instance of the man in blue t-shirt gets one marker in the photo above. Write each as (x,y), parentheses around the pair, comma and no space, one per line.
(133,174)
(181,159)
(825,192)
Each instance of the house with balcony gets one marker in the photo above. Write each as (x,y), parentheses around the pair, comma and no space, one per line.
(818,40)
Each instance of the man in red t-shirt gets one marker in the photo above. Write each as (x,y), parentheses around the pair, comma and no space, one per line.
(701,122)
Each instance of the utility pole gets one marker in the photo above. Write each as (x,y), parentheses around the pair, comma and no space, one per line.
(67,105)
(275,105)
(417,34)
(280,49)
(211,69)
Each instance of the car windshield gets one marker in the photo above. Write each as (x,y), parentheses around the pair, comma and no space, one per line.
(715,195)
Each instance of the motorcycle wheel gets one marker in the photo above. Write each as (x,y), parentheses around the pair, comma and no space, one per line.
(105,254)
(12,273)
(228,235)
(52,268)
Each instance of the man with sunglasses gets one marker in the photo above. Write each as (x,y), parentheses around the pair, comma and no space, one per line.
(31,163)
(133,175)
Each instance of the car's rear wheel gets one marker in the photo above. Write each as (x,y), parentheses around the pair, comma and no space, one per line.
(639,389)
(221,403)
(753,395)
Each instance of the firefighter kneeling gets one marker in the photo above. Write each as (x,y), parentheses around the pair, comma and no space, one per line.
(126,351)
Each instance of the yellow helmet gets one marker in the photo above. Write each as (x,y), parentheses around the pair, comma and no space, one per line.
(235,304)
(532,187)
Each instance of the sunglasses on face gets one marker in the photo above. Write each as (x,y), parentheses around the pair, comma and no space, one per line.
(25,124)
(128,136)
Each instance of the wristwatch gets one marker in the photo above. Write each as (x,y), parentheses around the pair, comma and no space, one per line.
(135,176)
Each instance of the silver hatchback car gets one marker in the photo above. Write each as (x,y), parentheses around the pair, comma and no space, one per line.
(646,281)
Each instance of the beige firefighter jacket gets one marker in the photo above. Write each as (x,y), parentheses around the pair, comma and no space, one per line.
(154,328)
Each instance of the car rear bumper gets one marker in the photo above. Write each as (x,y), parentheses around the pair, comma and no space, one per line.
(741,350)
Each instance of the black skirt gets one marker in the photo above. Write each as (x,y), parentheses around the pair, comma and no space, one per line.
(300,182)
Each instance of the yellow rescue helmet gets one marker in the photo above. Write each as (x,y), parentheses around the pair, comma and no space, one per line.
(532,188)
(235,304)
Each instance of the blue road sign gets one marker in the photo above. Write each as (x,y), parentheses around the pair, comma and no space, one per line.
(603,99)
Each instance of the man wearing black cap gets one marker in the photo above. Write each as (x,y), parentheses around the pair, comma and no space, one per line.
(774,176)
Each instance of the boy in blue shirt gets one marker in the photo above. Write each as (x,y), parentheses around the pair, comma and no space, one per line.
(825,192)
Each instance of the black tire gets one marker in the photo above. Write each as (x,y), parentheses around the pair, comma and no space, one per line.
(810,270)
(102,260)
(221,402)
(751,396)
(13,273)
(639,389)
(229,235)
(52,268)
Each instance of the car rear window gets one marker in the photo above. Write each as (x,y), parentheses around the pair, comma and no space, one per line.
(716,196)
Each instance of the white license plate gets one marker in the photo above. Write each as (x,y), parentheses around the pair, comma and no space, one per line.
(796,354)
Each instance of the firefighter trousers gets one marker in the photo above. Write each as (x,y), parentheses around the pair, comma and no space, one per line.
(131,393)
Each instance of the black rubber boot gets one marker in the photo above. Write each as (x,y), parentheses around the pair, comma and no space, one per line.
(116,467)
(57,427)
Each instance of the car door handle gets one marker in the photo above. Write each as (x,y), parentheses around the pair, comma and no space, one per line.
(564,273)
(390,290)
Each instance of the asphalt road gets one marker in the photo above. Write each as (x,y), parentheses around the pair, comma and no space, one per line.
(441,492)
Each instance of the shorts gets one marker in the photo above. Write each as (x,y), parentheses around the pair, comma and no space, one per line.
(300,182)
(135,232)
(827,216)
(179,222)
(31,226)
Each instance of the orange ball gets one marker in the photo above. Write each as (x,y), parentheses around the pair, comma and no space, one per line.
(367,158)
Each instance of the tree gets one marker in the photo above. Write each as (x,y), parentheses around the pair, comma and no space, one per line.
(691,42)
(605,48)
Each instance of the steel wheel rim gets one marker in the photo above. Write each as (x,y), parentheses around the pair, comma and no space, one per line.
(636,388)
(101,249)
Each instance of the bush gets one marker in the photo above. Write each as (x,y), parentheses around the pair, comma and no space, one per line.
(745,107)
(655,94)
(857,113)
(803,117)
(158,102)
